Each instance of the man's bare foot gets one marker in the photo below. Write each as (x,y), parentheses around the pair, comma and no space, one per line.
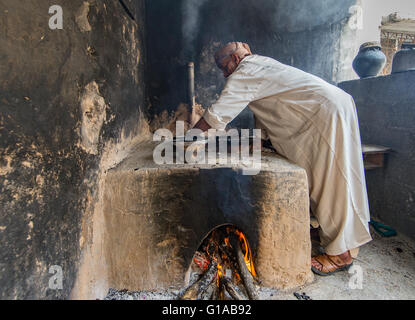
(326,265)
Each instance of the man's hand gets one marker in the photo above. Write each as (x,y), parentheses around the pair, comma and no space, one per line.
(202,125)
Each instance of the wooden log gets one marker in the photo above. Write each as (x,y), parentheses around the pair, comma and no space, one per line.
(209,293)
(231,289)
(215,294)
(246,276)
(233,263)
(194,291)
(218,293)
(221,289)
(228,252)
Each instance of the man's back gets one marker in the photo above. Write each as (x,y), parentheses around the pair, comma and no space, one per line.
(292,85)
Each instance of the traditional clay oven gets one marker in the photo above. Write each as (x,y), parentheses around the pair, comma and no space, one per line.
(157,216)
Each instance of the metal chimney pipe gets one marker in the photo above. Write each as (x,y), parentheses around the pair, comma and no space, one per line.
(191,88)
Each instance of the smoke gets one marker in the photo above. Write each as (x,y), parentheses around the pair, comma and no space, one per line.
(301,15)
(190,26)
(282,16)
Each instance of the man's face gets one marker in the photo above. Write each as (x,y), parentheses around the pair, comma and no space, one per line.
(228,66)
(233,53)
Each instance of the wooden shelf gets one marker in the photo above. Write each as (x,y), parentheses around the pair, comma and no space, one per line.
(374,156)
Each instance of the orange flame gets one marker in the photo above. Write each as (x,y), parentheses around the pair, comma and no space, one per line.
(248,254)
(227,242)
(246,250)
(219,274)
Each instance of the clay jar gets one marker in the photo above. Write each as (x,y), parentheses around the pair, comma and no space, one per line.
(404,60)
(370,60)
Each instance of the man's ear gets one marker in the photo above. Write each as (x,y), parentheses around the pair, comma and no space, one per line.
(246,46)
(236,58)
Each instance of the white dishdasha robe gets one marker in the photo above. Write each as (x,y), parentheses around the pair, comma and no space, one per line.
(315,125)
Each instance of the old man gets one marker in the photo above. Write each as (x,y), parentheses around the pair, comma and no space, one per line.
(313,124)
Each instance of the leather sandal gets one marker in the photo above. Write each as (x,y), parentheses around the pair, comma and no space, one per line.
(330,265)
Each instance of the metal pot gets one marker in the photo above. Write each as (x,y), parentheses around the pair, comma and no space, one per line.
(404,60)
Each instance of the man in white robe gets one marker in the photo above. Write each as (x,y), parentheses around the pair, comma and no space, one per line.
(313,124)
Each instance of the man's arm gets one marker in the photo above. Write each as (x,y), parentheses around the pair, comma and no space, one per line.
(239,91)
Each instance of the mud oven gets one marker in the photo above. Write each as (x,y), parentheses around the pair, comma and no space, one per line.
(154,218)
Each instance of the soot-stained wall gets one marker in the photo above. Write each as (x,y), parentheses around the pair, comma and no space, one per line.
(64,95)
(315,36)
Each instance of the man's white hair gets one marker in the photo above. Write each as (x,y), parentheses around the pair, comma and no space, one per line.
(225,52)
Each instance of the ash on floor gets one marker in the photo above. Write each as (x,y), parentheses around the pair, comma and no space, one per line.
(142,295)
(385,269)
(172,294)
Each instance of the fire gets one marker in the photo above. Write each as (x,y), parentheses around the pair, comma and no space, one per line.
(201,261)
(227,241)
(219,275)
(248,254)
(227,253)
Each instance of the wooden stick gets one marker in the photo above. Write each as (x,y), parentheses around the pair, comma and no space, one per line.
(209,293)
(246,276)
(221,289)
(195,290)
(230,287)
(215,294)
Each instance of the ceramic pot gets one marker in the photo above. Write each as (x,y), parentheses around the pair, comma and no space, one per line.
(370,60)
(404,60)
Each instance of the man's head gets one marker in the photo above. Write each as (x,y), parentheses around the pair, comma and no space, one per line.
(230,56)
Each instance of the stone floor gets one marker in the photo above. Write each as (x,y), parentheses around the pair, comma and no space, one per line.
(387,266)
(384,270)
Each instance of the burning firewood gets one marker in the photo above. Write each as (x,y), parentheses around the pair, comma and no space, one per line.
(221,289)
(231,289)
(217,292)
(225,259)
(195,291)
(210,292)
(245,274)
(201,261)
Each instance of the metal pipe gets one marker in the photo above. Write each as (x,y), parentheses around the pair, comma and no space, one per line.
(191,85)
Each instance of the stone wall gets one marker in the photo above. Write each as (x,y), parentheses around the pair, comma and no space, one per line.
(387,115)
(70,101)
